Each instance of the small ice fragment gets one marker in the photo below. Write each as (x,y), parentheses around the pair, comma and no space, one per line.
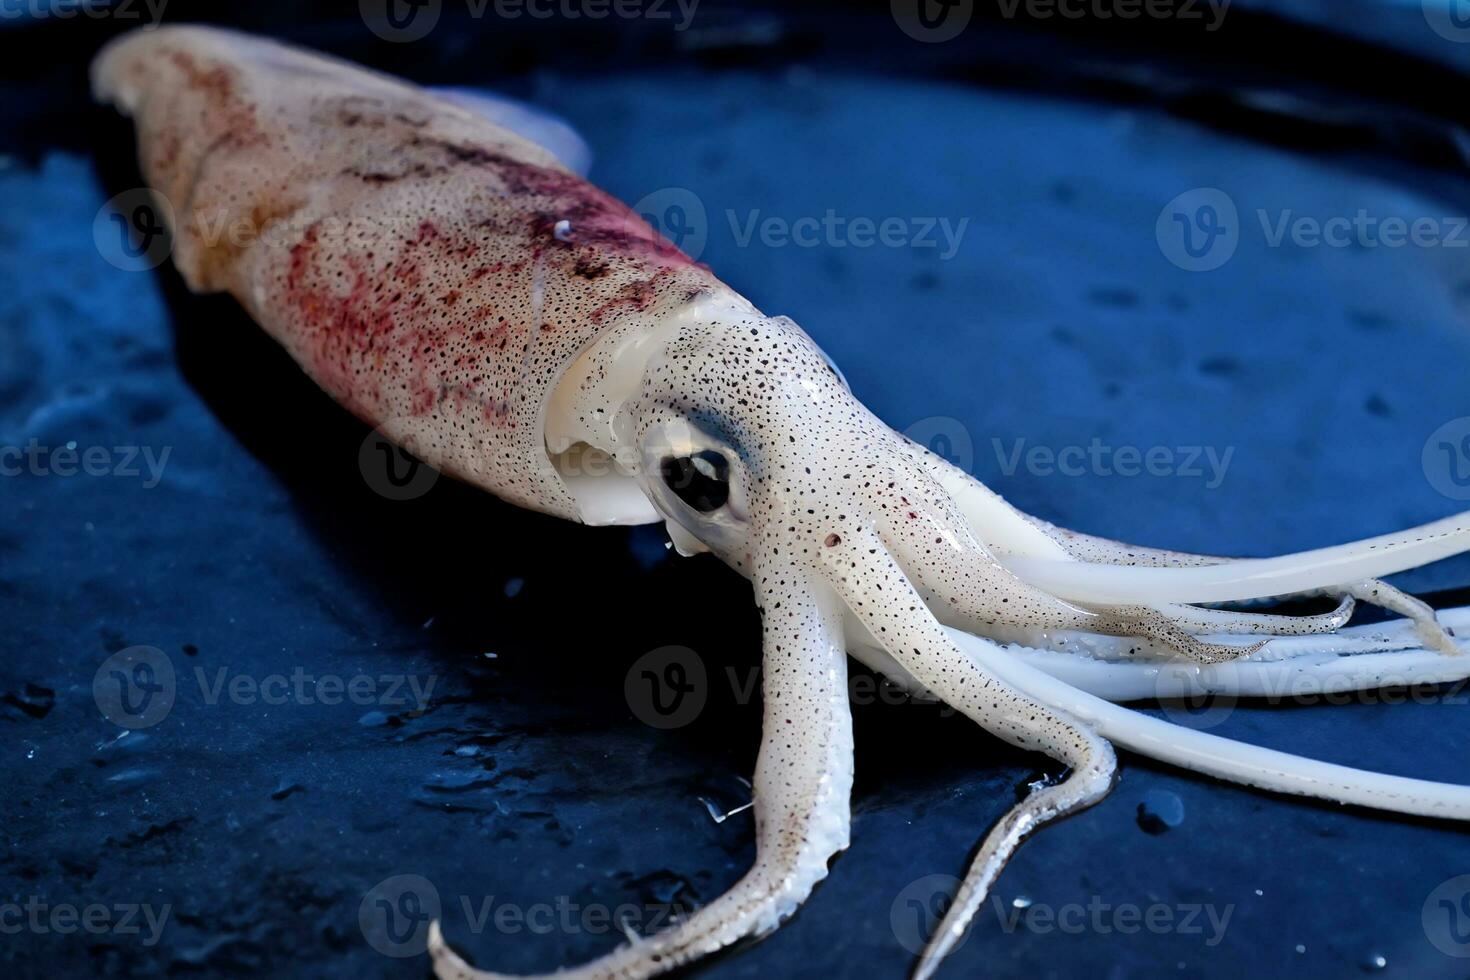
(373,719)
(513,587)
(562,230)
(1301,948)
(1021,902)
(491,656)
(1259,892)
(1375,963)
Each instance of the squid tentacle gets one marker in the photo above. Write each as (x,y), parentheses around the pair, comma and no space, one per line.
(976,592)
(802,785)
(1094,570)
(884,600)
(1223,758)
(1339,566)
(1198,620)
(1359,658)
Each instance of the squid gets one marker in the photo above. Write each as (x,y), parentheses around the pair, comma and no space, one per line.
(439,269)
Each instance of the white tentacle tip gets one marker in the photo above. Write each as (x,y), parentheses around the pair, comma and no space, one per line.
(447,963)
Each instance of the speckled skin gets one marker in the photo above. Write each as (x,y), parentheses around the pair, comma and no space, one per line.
(445,279)
(403,249)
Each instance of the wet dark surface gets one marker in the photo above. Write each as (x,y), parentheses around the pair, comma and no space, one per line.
(256,833)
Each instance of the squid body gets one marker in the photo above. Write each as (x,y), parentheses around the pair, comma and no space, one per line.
(458,286)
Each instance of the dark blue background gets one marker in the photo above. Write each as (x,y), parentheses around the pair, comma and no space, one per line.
(1059,321)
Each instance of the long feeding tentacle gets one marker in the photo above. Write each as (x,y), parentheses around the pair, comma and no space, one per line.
(959,577)
(1198,620)
(1359,658)
(1223,758)
(1094,570)
(1251,578)
(802,783)
(879,593)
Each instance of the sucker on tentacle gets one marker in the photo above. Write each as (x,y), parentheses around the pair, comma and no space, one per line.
(459,287)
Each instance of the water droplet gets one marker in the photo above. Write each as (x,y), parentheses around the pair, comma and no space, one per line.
(1375,962)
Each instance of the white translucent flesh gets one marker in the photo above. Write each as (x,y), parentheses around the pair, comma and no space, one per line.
(1223,758)
(1248,578)
(584,427)
(1359,658)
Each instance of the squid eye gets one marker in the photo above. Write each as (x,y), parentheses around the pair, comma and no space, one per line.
(702,480)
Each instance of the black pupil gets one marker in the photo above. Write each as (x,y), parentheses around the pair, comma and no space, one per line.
(702,481)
